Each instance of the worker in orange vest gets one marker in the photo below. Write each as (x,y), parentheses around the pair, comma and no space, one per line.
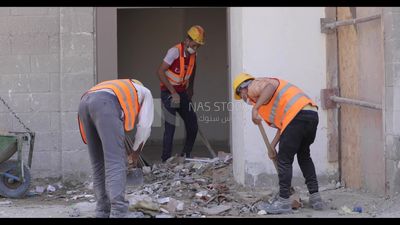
(285,107)
(176,74)
(106,112)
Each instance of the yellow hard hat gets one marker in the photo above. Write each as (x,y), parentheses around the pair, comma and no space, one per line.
(239,79)
(137,82)
(197,33)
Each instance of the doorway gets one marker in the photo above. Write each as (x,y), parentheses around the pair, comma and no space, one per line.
(142,38)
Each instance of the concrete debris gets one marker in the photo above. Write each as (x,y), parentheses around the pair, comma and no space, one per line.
(180,206)
(177,183)
(184,187)
(222,155)
(216,210)
(90,186)
(164,216)
(50,188)
(5,203)
(163,210)
(197,166)
(262,212)
(347,210)
(82,196)
(163,200)
(201,194)
(171,206)
(146,169)
(59,185)
(144,204)
(39,189)
(228,158)
(135,215)
(71,192)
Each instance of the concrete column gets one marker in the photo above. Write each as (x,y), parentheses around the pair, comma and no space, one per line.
(77,75)
(391,22)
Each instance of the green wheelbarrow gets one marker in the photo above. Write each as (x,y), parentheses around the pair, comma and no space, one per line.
(15,177)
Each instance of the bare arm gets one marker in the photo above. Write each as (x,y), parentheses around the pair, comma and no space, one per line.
(264,97)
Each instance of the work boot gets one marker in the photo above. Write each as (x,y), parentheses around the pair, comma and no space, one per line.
(316,202)
(186,155)
(279,206)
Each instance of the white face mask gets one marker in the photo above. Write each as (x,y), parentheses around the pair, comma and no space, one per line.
(248,101)
(191,50)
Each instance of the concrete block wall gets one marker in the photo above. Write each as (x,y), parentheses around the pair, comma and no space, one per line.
(391,22)
(77,72)
(46,63)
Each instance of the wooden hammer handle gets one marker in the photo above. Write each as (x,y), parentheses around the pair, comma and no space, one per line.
(271,151)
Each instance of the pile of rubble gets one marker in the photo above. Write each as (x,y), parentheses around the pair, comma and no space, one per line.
(191,188)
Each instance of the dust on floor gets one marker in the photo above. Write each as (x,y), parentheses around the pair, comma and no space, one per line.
(200,188)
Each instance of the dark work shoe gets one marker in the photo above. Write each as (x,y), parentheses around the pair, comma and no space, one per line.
(316,202)
(279,206)
(187,155)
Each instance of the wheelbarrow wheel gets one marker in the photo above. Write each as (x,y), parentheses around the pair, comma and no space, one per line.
(12,188)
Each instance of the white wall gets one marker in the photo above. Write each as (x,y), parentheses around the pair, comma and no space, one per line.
(285,43)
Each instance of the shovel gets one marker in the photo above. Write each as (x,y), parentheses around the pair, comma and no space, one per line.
(134,177)
(134,174)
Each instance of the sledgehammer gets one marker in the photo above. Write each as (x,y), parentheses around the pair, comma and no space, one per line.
(272,154)
(271,151)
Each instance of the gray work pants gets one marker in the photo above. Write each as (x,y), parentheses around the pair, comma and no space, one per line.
(100,113)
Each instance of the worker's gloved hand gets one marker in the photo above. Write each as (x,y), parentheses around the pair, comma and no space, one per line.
(254,116)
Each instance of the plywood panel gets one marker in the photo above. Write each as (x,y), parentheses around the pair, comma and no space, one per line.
(372,80)
(349,115)
(332,82)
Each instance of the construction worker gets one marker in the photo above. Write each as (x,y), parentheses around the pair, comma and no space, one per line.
(176,74)
(106,112)
(285,107)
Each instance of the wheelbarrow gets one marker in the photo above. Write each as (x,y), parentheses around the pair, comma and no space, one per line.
(15,177)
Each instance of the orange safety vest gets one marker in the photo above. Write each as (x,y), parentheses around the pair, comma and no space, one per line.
(127,97)
(183,77)
(284,105)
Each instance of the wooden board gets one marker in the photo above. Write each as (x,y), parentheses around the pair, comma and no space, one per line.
(332,82)
(349,115)
(361,76)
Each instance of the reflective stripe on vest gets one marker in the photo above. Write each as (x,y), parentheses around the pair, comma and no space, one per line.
(284,105)
(183,77)
(127,97)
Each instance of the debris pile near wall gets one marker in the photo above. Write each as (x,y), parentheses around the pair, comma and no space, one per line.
(193,188)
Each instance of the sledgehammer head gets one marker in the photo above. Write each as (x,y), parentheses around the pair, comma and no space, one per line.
(134,177)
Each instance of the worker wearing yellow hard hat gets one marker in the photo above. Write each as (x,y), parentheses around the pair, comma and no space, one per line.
(176,74)
(287,108)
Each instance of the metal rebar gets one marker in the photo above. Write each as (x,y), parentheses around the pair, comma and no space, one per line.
(355,102)
(352,21)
